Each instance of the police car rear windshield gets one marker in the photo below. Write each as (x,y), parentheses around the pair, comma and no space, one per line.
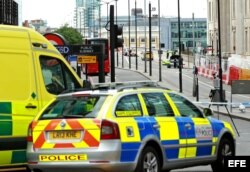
(74,107)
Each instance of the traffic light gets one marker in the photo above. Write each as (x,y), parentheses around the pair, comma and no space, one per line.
(118,41)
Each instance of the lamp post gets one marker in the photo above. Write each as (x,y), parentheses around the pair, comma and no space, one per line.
(160,51)
(99,16)
(150,47)
(193,36)
(136,57)
(117,58)
(129,57)
(180,59)
(145,37)
(219,52)
(93,18)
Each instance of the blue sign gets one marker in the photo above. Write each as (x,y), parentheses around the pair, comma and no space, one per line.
(63,49)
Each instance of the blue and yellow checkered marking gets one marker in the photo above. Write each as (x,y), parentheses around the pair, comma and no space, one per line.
(145,126)
(204,150)
(174,143)
(171,153)
(217,126)
(129,151)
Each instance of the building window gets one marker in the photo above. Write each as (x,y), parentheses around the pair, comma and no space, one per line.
(132,40)
(142,40)
(153,40)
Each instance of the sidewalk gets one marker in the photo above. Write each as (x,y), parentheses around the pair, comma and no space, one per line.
(222,110)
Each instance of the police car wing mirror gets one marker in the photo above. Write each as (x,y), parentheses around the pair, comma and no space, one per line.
(208,112)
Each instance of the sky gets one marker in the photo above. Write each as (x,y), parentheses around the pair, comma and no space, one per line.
(59,12)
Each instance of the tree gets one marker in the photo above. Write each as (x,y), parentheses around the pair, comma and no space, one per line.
(71,35)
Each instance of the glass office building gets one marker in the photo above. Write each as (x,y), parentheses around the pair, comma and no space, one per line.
(86,13)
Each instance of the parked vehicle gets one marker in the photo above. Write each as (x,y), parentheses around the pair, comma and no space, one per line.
(32,73)
(147,56)
(173,61)
(126,127)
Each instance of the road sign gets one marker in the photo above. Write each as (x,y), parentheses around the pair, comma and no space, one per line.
(86,59)
(63,49)
(55,38)
(86,49)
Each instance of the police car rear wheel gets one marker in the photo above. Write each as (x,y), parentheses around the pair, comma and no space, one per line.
(225,149)
(149,161)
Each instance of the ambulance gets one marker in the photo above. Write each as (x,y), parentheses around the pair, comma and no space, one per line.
(32,73)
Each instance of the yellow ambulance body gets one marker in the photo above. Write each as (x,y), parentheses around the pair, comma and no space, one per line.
(32,73)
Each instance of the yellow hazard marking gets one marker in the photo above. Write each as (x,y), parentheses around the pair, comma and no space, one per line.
(191,151)
(80,145)
(48,145)
(88,124)
(66,127)
(95,133)
(130,113)
(39,128)
(52,158)
(182,151)
(214,147)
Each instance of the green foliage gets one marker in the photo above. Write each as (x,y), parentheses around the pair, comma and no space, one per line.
(71,35)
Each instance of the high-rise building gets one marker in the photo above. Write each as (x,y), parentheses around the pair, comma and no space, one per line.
(86,13)
(8,12)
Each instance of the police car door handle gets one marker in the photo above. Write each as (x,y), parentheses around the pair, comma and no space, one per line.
(188,126)
(156,126)
(30,106)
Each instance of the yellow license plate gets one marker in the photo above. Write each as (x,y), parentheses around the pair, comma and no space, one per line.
(64,135)
(53,158)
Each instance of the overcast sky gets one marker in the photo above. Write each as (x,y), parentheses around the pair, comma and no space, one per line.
(59,12)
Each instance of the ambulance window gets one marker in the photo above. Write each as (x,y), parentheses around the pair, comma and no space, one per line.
(185,107)
(157,104)
(57,77)
(128,106)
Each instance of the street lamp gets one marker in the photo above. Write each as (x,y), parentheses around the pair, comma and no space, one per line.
(219,53)
(180,59)
(129,34)
(145,37)
(117,59)
(136,58)
(160,51)
(193,36)
(150,47)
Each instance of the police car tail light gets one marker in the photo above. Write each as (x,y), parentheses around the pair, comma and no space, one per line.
(109,130)
(29,137)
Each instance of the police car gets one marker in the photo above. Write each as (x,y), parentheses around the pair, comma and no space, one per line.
(136,126)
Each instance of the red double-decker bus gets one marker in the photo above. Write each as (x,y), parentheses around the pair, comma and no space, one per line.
(92,68)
